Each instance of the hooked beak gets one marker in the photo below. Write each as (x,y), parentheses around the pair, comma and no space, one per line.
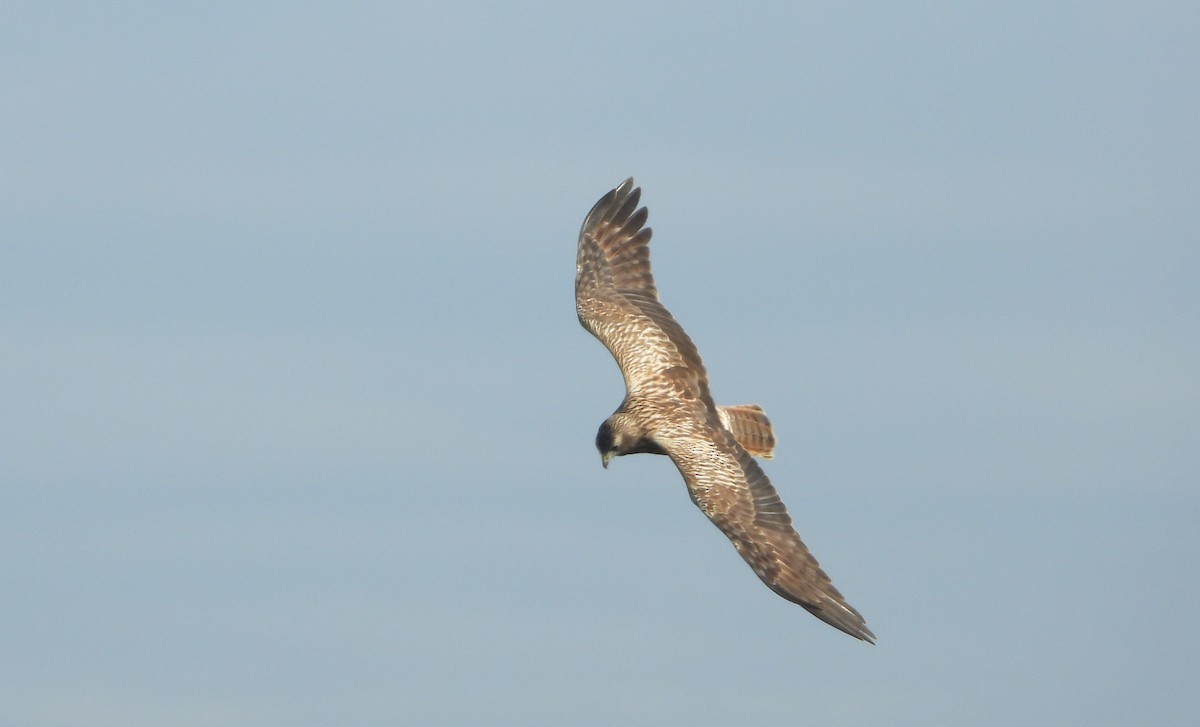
(606,458)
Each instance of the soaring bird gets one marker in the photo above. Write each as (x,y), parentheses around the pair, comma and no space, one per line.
(668,410)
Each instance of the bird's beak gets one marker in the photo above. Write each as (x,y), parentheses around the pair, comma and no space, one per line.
(606,458)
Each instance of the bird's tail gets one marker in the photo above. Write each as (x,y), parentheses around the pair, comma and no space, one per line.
(750,427)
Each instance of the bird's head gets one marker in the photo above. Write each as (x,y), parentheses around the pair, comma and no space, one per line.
(607,442)
(621,434)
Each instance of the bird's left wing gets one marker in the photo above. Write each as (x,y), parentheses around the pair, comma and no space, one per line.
(731,489)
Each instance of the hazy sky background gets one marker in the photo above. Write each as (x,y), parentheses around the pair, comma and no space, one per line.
(296,418)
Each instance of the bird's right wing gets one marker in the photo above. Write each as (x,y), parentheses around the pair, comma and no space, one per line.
(617,301)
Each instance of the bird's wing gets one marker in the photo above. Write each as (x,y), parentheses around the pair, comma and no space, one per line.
(731,489)
(616,299)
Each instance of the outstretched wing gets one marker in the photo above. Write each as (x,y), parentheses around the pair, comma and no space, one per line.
(616,299)
(730,488)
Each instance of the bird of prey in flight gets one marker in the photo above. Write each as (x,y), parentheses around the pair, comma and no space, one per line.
(668,410)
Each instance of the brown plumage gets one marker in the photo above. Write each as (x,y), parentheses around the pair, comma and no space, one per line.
(669,410)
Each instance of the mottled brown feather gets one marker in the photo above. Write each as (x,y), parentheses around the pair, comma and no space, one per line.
(616,299)
(750,427)
(668,405)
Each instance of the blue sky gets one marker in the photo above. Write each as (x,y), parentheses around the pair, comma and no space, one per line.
(298,420)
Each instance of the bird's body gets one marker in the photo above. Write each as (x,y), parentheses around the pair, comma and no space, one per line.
(668,409)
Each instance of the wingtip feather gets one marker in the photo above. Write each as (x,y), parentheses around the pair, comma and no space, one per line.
(618,203)
(844,618)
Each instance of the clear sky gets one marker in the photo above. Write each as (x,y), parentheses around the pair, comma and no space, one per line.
(296,419)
